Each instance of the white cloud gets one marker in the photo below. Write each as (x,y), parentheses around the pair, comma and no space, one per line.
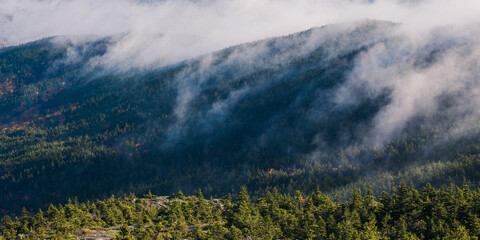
(420,71)
(162,32)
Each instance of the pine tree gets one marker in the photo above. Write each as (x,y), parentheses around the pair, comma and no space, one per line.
(124,233)
(356,202)
(459,232)
(200,195)
(370,229)
(24,221)
(243,209)
(235,233)
(8,228)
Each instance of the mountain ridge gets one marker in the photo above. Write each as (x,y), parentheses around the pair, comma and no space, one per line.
(263,114)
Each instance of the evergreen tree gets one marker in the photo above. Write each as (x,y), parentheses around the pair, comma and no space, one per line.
(124,233)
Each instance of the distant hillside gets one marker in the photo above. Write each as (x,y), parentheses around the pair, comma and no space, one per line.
(263,114)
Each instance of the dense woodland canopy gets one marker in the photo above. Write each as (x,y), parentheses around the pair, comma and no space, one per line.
(261,115)
(445,213)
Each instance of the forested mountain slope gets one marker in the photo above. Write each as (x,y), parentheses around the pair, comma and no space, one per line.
(316,109)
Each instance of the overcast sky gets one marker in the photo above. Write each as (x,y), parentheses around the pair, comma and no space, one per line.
(174,29)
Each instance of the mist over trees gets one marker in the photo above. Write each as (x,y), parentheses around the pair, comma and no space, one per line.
(115,113)
(296,112)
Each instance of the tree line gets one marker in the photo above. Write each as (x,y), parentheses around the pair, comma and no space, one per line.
(407,213)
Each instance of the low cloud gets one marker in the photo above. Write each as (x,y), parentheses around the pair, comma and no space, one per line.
(157,33)
(435,75)
(151,34)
